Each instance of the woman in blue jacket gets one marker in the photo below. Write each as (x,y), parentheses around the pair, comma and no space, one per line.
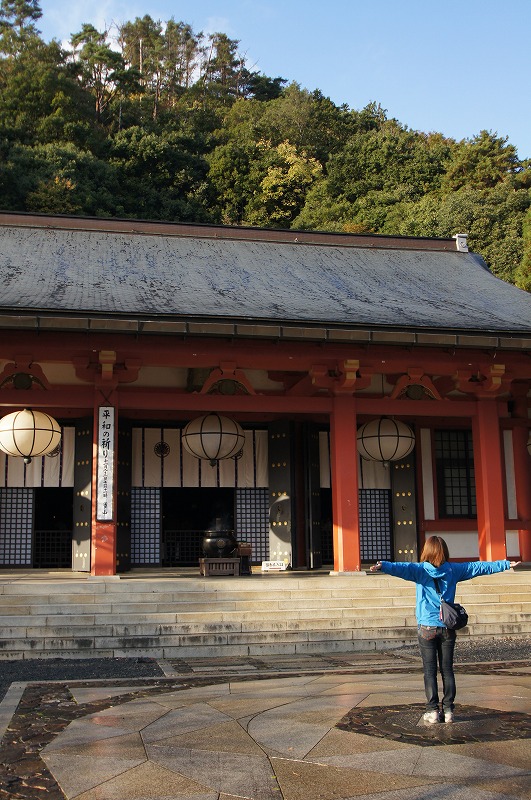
(436,641)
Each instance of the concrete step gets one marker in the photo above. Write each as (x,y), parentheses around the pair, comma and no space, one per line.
(242,643)
(133,631)
(256,615)
(47,616)
(346,583)
(384,596)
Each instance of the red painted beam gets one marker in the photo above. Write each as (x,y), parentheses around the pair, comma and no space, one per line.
(74,400)
(169,351)
(415,408)
(131,399)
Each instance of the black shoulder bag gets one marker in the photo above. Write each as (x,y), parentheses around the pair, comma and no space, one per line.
(453,615)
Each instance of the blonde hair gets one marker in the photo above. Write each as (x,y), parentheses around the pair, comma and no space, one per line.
(435,551)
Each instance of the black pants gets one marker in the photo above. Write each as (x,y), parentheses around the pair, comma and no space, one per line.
(437,650)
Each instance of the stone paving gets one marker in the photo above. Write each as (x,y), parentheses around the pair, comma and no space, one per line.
(278,728)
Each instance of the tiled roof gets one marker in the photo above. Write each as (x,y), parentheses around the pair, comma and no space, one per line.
(153,275)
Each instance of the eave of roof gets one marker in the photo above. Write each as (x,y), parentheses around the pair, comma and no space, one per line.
(236,232)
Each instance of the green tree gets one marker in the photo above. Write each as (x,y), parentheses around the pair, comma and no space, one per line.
(283,188)
(381,166)
(481,162)
(523,272)
(391,159)
(233,178)
(287,118)
(183,51)
(101,69)
(322,211)
(224,74)
(143,49)
(40,99)
(493,219)
(309,121)
(159,177)
(263,88)
(58,178)
(17,24)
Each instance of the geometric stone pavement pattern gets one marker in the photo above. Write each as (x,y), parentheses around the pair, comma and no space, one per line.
(278,739)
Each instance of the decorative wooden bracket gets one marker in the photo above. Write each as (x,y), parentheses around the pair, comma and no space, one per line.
(229,372)
(487,382)
(415,377)
(22,373)
(317,378)
(107,359)
(345,379)
(350,378)
(107,369)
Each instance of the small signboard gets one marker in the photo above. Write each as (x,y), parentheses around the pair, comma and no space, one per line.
(273,566)
(105,465)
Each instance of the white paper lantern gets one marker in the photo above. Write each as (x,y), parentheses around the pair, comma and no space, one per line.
(213,437)
(29,433)
(385,440)
(529,444)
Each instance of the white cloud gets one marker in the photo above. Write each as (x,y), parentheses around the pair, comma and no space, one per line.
(61,19)
(218,25)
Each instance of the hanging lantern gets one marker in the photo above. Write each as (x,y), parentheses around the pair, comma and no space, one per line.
(385,440)
(529,444)
(29,433)
(213,438)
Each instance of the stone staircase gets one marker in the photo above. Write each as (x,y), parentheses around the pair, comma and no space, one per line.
(183,617)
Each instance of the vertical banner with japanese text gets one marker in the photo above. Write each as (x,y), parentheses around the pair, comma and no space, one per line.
(105,467)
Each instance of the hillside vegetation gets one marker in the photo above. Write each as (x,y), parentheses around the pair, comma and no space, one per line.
(155,121)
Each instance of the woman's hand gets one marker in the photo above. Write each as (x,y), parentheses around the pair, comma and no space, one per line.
(376,567)
(512,563)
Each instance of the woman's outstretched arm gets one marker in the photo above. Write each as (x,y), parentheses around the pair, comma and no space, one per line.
(407,570)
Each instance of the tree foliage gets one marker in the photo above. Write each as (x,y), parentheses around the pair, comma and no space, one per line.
(153,119)
(17,24)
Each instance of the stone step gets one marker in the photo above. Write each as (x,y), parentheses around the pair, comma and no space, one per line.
(238,625)
(282,608)
(245,643)
(241,589)
(184,617)
(347,584)
(202,597)
(210,590)
(279,603)
(111,603)
(156,627)
(50,615)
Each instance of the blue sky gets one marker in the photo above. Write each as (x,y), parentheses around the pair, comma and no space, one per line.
(453,66)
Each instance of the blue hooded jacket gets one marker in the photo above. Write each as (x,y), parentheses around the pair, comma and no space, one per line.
(448,575)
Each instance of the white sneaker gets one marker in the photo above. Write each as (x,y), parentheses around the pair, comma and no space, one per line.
(448,716)
(431,717)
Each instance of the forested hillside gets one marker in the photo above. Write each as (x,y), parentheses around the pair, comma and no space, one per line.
(153,120)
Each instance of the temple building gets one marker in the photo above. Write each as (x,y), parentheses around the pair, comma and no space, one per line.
(379,389)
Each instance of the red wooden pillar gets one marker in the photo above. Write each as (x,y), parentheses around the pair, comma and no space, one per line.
(104,525)
(344,469)
(522,475)
(490,481)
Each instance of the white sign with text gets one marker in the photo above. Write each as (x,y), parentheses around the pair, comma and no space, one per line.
(105,465)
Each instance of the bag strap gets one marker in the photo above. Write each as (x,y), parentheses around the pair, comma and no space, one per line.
(437,589)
